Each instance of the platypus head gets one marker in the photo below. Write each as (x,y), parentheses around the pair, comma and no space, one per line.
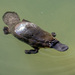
(58,46)
(11,18)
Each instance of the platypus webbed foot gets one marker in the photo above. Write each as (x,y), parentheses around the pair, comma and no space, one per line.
(6,30)
(53,34)
(31,51)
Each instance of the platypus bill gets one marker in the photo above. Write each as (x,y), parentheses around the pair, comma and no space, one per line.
(30,33)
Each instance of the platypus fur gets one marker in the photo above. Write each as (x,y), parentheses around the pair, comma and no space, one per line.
(30,33)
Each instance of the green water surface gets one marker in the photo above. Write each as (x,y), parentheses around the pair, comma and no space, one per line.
(51,15)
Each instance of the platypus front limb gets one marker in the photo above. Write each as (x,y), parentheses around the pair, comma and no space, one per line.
(32,51)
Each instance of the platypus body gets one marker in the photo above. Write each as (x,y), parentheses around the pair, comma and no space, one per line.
(30,33)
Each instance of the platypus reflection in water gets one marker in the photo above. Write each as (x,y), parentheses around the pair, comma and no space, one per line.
(30,33)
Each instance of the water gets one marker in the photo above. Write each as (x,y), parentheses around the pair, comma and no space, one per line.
(51,15)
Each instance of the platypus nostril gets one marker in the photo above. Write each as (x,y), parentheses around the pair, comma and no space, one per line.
(64,48)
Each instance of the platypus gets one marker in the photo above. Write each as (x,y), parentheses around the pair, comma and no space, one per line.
(30,33)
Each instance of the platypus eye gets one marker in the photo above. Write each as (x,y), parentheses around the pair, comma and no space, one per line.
(53,43)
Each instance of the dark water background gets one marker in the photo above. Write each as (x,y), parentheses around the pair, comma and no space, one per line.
(51,15)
